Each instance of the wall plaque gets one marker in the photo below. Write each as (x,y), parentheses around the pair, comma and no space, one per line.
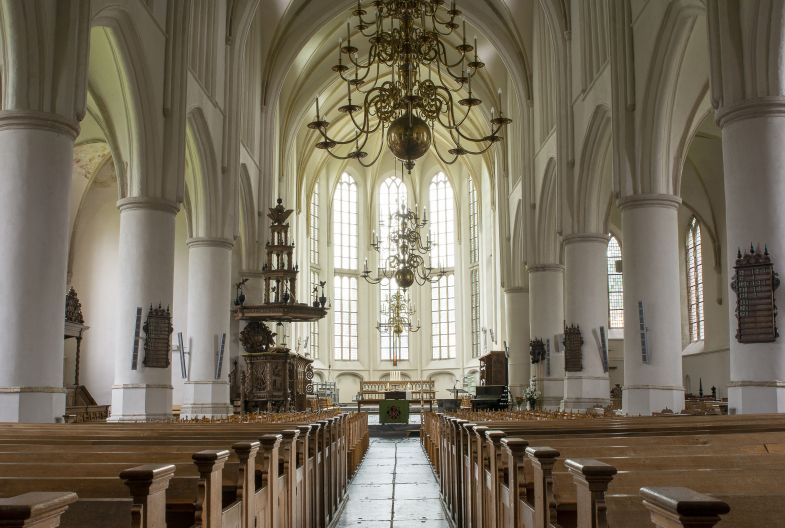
(573,353)
(754,282)
(537,350)
(158,337)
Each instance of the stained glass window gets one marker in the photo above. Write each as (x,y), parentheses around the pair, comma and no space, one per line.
(442,221)
(387,289)
(474,226)
(315,226)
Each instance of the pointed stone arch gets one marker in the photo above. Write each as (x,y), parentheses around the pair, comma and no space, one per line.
(547,245)
(593,186)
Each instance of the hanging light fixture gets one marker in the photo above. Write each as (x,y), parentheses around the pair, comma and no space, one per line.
(398,313)
(408,39)
(407,258)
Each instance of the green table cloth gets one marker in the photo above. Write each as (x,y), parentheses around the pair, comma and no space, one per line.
(394,411)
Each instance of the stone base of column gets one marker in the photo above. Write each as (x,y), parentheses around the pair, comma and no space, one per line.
(141,403)
(552,392)
(746,397)
(32,404)
(643,400)
(206,399)
(585,392)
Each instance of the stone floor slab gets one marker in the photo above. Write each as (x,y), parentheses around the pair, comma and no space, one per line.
(394,487)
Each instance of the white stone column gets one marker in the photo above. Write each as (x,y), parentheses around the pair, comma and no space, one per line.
(146,248)
(651,275)
(546,316)
(586,305)
(517,308)
(209,305)
(753,136)
(36,150)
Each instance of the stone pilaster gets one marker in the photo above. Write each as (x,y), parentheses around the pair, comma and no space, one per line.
(546,316)
(651,269)
(147,227)
(586,305)
(209,298)
(748,94)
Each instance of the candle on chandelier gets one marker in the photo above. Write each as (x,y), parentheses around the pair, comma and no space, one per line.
(317,109)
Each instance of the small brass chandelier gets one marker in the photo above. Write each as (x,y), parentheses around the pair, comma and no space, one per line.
(400,317)
(408,38)
(408,260)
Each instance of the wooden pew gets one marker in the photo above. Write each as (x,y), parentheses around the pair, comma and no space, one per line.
(272,476)
(486,463)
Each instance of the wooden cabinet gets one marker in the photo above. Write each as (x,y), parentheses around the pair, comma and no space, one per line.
(493,368)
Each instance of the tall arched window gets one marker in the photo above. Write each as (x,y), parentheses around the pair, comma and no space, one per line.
(392,196)
(474,267)
(313,345)
(694,280)
(442,208)
(615,285)
(345,241)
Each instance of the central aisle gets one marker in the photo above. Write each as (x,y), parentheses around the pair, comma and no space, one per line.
(394,488)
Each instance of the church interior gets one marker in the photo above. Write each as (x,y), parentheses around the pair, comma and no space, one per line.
(392,263)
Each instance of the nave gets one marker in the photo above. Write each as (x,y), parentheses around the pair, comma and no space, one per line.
(394,487)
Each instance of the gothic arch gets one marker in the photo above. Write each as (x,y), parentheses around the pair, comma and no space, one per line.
(547,248)
(210,211)
(593,185)
(126,101)
(247,221)
(662,134)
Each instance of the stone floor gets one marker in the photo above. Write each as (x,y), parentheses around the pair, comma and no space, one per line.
(394,488)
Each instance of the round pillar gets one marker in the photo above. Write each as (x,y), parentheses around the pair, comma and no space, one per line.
(586,305)
(146,249)
(651,277)
(519,362)
(546,316)
(754,160)
(209,305)
(36,150)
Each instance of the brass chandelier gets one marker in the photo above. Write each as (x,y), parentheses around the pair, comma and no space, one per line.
(400,317)
(408,39)
(406,262)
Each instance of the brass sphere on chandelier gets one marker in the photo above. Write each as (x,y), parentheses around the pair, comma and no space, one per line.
(404,277)
(409,137)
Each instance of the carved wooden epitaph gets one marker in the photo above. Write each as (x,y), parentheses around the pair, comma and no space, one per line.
(573,345)
(158,337)
(537,350)
(754,282)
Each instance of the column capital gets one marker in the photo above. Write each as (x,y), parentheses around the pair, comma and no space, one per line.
(31,119)
(216,242)
(147,202)
(537,268)
(771,106)
(517,289)
(667,201)
(597,238)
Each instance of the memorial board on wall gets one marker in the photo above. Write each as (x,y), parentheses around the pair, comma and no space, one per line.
(157,340)
(537,350)
(573,344)
(754,282)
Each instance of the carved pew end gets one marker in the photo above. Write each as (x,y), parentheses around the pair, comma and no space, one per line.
(36,509)
(673,507)
(148,484)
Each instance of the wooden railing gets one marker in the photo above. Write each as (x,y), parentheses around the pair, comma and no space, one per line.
(294,477)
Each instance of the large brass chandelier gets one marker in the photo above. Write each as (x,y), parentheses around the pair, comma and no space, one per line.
(408,259)
(398,314)
(408,39)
